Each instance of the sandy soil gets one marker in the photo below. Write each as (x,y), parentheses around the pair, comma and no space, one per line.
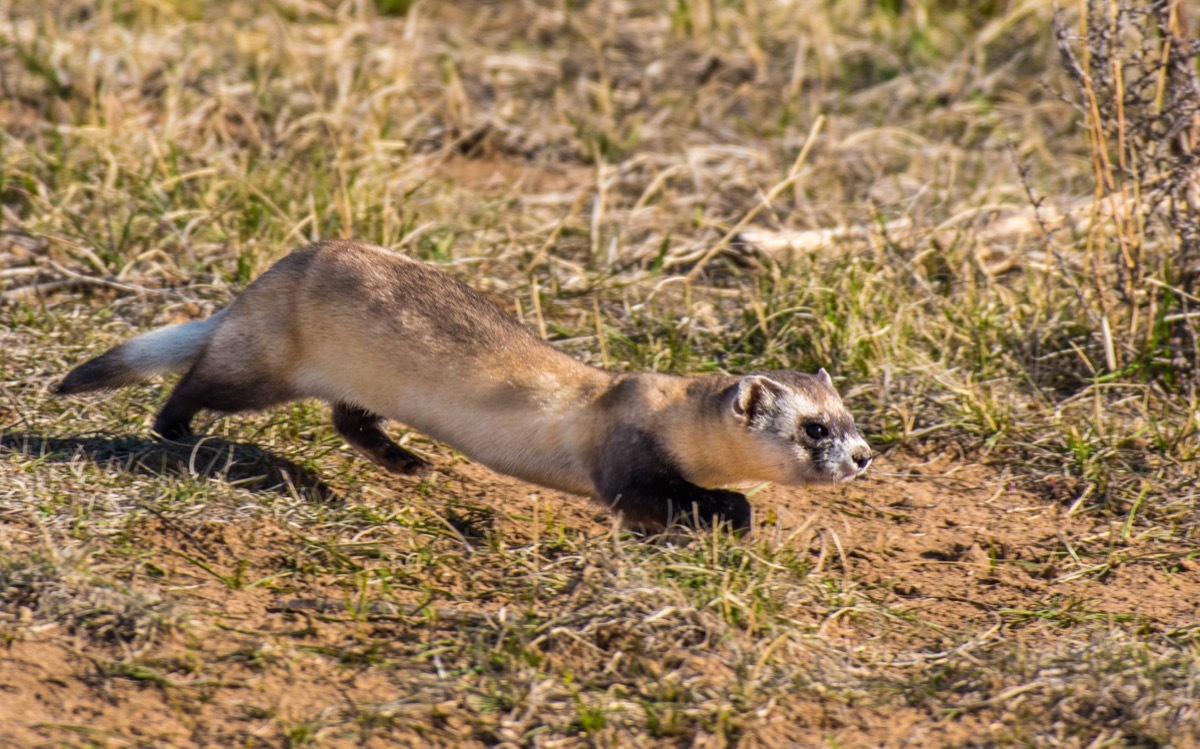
(958,545)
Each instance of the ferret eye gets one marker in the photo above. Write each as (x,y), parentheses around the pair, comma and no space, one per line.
(816,431)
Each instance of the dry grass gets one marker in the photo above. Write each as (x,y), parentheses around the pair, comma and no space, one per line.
(626,178)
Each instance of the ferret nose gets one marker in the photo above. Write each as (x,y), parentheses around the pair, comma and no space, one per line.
(861,457)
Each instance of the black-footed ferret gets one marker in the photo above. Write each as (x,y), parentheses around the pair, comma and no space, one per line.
(382,336)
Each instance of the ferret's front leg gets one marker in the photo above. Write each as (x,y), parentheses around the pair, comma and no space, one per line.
(636,478)
(656,505)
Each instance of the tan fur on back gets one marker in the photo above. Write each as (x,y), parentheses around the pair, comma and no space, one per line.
(344,321)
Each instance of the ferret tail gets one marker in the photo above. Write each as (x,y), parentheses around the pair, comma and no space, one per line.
(168,349)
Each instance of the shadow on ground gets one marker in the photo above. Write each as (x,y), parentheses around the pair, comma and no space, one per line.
(248,466)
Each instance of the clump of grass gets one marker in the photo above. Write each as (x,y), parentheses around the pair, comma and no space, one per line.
(63,586)
(1133,69)
(1112,688)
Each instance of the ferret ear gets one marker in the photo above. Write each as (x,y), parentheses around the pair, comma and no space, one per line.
(754,395)
(824,377)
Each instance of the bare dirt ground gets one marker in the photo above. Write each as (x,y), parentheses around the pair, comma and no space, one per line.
(934,559)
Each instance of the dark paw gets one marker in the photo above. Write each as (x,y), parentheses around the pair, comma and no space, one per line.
(700,508)
(396,459)
(718,506)
(172,431)
(408,467)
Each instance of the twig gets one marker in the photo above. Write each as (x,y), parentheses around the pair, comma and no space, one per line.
(793,175)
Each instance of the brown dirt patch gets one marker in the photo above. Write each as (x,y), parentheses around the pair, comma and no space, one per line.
(954,545)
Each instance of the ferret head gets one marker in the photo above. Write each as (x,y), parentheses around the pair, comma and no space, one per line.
(802,432)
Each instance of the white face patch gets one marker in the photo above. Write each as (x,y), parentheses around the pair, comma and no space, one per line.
(805,433)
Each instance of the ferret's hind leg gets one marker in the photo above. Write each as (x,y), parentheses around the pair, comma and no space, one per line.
(363,430)
(203,388)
